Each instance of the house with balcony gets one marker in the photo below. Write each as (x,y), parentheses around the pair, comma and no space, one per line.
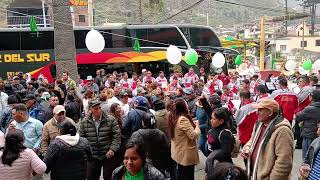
(19,13)
(299,42)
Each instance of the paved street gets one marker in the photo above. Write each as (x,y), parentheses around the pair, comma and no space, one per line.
(199,174)
(297,160)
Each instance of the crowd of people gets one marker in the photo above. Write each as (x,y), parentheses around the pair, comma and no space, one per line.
(154,128)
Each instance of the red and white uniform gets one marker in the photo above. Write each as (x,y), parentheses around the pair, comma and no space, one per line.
(304,98)
(134,83)
(125,83)
(246,118)
(262,97)
(225,79)
(226,98)
(288,101)
(147,79)
(214,85)
(163,82)
(189,79)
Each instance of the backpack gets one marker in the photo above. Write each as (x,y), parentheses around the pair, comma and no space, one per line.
(236,144)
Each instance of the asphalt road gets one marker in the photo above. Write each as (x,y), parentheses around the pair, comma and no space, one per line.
(199,171)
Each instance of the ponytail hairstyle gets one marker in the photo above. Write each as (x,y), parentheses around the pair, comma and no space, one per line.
(13,146)
(67,127)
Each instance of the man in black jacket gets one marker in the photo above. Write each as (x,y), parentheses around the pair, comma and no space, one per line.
(310,118)
(103,133)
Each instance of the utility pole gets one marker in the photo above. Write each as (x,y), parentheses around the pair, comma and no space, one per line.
(90,13)
(64,46)
(140,11)
(303,24)
(286,21)
(208,7)
(262,42)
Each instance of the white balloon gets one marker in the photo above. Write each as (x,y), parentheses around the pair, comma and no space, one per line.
(302,71)
(316,65)
(218,60)
(290,65)
(95,41)
(174,55)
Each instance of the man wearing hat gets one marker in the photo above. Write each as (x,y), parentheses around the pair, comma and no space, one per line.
(103,133)
(270,149)
(133,121)
(51,128)
(35,109)
(16,86)
(90,85)
(191,100)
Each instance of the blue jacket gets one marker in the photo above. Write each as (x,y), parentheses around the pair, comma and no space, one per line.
(133,121)
(38,112)
(203,119)
(5,118)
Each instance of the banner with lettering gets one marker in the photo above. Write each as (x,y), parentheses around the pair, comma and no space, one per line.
(12,62)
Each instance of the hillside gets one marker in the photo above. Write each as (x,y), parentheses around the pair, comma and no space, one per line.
(219,13)
(127,11)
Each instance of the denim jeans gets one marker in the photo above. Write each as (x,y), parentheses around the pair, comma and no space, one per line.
(305,146)
(202,142)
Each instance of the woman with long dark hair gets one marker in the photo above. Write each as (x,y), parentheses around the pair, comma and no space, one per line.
(17,162)
(184,133)
(117,112)
(220,139)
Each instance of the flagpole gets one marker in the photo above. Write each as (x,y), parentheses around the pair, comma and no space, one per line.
(44,14)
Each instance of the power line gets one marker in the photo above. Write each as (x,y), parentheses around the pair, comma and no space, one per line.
(183,10)
(250,6)
(225,2)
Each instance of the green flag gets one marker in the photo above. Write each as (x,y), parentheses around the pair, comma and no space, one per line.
(273,63)
(33,24)
(136,45)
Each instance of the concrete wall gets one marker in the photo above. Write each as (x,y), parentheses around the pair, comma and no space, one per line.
(295,42)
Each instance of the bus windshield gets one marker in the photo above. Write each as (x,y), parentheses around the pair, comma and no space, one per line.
(200,36)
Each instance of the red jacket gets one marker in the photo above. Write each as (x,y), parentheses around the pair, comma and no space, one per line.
(304,98)
(246,118)
(288,101)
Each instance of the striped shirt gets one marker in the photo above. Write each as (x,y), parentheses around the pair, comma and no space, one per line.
(315,171)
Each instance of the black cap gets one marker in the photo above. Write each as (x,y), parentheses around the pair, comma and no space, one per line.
(94,102)
(29,97)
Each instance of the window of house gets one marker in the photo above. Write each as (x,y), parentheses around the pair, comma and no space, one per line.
(318,42)
(303,44)
(82,18)
(283,48)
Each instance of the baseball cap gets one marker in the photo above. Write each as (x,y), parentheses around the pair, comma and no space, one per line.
(15,78)
(144,70)
(270,104)
(141,101)
(29,97)
(58,109)
(89,78)
(188,91)
(94,102)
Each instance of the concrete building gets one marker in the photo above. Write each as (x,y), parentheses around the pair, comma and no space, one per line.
(20,11)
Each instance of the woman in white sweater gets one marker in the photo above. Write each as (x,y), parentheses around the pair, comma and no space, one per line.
(17,162)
